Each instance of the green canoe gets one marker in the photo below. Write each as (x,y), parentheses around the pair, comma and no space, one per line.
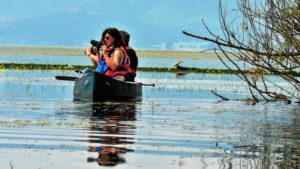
(99,87)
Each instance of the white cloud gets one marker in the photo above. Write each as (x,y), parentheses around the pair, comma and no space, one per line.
(72,10)
(4,19)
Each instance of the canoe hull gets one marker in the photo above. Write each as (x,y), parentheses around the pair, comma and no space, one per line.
(99,87)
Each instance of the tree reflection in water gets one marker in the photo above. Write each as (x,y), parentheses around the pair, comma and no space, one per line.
(107,124)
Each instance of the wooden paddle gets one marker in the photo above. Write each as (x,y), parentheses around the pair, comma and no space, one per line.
(147,84)
(68,78)
(71,78)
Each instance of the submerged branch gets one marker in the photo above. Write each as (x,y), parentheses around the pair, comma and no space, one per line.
(222,97)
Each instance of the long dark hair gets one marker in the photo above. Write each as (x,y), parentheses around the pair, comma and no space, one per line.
(114,32)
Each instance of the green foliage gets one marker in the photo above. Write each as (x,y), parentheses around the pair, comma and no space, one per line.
(142,69)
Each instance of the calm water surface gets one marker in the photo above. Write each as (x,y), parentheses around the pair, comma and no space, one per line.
(177,124)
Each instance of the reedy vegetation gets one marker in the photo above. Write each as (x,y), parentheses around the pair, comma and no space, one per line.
(20,66)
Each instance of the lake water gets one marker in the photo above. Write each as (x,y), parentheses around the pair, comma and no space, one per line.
(178,123)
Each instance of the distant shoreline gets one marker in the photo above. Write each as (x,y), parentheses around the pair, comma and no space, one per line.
(76,51)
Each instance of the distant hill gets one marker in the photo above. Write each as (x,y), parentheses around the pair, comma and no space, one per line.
(74,23)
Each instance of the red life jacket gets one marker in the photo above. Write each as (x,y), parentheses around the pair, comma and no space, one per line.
(122,69)
(131,71)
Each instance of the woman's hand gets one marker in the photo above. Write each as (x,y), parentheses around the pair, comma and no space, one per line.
(87,51)
(104,49)
(94,58)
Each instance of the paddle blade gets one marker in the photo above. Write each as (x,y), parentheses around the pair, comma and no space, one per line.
(68,78)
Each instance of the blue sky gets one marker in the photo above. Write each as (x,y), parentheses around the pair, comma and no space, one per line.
(74,23)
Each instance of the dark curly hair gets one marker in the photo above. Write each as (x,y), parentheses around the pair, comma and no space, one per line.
(115,33)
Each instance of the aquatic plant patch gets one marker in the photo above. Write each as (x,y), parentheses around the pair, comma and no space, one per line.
(144,69)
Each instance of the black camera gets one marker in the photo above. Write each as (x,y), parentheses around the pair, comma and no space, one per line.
(96,45)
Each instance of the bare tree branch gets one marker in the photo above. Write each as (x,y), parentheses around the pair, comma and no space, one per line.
(266,38)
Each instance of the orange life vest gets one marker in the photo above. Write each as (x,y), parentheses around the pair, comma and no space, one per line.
(132,68)
(123,68)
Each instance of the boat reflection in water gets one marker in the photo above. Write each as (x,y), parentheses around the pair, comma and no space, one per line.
(112,125)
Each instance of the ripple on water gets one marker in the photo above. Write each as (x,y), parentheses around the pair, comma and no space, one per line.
(174,126)
(183,133)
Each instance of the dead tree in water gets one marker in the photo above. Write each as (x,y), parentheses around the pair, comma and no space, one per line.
(266,40)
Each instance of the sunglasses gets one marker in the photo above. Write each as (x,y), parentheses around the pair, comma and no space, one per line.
(107,38)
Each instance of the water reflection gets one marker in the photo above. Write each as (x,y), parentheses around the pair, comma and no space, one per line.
(178,124)
(111,126)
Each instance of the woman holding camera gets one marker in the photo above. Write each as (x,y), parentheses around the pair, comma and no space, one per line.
(113,54)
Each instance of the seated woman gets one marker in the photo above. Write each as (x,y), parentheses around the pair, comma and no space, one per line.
(113,54)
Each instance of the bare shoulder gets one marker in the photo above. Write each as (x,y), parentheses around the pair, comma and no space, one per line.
(118,51)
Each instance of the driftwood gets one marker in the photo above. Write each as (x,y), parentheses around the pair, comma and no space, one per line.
(177,66)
